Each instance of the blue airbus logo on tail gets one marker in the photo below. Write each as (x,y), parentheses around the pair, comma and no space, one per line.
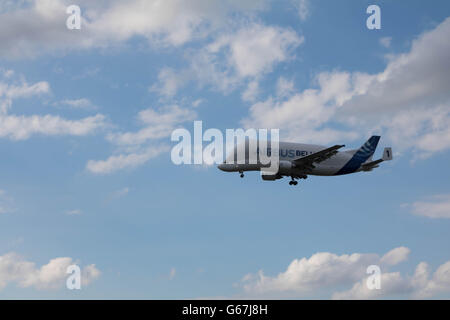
(361,156)
(369,147)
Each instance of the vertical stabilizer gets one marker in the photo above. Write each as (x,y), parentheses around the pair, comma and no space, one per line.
(361,155)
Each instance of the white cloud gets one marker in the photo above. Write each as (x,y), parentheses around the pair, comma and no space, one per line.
(234,57)
(40,26)
(391,284)
(408,102)
(22,127)
(303,8)
(438,283)
(19,89)
(304,276)
(418,286)
(169,81)
(82,103)
(175,21)
(26,90)
(14,269)
(412,79)
(326,272)
(395,256)
(285,87)
(88,274)
(251,92)
(8,73)
(137,148)
(209,69)
(197,102)
(158,124)
(122,161)
(386,42)
(435,207)
(303,116)
(256,48)
(37,27)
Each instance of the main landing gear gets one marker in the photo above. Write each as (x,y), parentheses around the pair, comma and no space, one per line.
(242,174)
(293,182)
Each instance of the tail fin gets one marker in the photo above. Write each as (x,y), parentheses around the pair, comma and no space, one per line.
(360,156)
(367,149)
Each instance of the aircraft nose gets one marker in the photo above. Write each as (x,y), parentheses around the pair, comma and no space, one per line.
(227,167)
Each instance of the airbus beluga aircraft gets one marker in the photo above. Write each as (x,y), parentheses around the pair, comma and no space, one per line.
(300,160)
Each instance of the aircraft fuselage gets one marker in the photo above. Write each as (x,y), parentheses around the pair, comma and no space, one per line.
(299,160)
(289,151)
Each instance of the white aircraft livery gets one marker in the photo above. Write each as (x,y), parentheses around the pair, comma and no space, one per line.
(298,160)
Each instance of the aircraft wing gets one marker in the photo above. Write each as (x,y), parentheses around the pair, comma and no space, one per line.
(322,155)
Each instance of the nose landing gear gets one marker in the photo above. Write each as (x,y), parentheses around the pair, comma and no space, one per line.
(242,174)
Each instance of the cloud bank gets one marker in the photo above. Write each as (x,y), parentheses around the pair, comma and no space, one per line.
(14,269)
(324,272)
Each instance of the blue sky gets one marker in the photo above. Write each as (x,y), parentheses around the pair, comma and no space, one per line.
(86,175)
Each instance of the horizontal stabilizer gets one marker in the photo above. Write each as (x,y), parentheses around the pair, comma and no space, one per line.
(371,165)
(387,155)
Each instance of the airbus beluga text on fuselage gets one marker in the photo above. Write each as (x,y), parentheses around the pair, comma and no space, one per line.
(298,160)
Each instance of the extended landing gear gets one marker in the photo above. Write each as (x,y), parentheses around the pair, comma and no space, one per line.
(242,174)
(293,182)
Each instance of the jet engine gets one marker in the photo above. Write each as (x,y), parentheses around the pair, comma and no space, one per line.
(271,177)
(285,167)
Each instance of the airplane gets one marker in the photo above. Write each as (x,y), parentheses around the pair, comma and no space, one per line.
(300,160)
